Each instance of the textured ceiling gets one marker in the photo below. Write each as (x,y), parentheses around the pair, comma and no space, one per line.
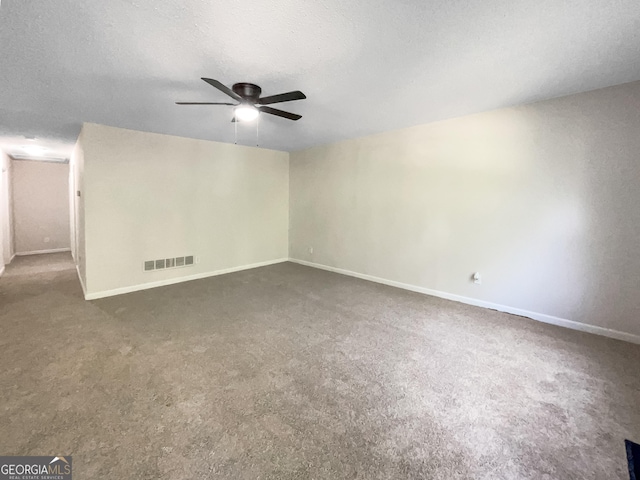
(365,66)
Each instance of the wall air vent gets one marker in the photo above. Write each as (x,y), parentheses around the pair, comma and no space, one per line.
(164,263)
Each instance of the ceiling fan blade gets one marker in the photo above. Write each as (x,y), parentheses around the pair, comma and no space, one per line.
(222,88)
(280,113)
(203,103)
(283,97)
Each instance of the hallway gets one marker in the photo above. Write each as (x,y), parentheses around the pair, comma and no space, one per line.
(39,265)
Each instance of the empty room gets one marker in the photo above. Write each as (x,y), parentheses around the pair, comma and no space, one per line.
(319,240)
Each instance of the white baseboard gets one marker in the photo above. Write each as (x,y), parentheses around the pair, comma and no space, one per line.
(40,252)
(172,281)
(541,317)
(2,270)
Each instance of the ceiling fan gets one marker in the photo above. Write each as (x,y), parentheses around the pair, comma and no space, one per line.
(249,103)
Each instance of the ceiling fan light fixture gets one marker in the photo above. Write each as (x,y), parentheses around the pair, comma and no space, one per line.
(250,104)
(246,113)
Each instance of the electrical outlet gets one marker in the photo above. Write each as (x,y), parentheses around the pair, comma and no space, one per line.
(310,249)
(477,278)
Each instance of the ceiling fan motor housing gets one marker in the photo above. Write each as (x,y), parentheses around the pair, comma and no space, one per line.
(248,91)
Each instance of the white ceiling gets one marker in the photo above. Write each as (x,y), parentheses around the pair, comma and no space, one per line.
(365,66)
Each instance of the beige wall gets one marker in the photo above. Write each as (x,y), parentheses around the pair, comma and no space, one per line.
(40,205)
(6,211)
(150,196)
(543,200)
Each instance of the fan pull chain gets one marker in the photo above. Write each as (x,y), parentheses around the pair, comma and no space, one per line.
(235,124)
(258,132)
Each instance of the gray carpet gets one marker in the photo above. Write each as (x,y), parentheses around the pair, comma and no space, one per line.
(290,372)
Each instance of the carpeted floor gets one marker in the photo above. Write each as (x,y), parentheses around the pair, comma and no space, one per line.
(289,372)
